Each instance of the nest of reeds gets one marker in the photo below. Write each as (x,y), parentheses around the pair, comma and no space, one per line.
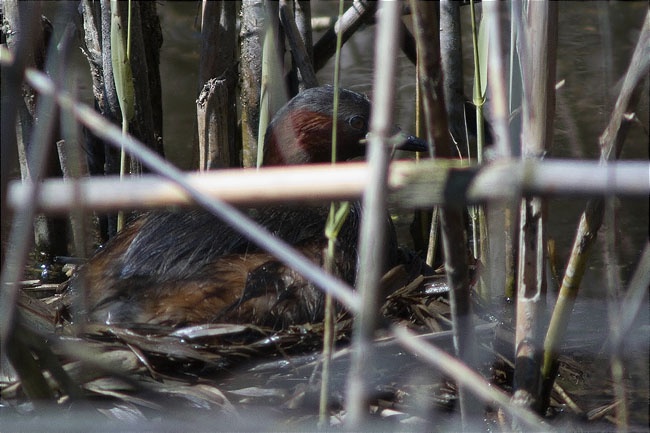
(245,374)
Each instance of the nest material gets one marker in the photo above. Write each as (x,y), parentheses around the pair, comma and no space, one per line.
(145,373)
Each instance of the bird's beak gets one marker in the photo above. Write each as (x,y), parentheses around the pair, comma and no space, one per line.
(412,143)
(401,141)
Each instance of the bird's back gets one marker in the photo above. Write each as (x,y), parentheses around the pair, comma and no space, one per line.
(187,267)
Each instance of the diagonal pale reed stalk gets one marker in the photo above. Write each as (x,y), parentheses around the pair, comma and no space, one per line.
(469,379)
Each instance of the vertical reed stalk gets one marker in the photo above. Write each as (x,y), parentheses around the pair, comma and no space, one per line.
(536,44)
(373,230)
(451,60)
(74,165)
(328,343)
(121,63)
(335,220)
(302,69)
(216,114)
(29,39)
(479,223)
(451,49)
(623,314)
(251,35)
(515,91)
(496,262)
(613,308)
(272,72)
(426,25)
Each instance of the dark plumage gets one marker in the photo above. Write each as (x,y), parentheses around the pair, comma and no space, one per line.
(187,267)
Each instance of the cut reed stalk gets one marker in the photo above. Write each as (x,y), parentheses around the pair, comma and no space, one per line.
(536,43)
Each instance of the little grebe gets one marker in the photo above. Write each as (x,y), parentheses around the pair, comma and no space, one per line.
(187,267)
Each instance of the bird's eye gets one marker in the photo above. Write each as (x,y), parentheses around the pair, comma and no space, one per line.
(358,122)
